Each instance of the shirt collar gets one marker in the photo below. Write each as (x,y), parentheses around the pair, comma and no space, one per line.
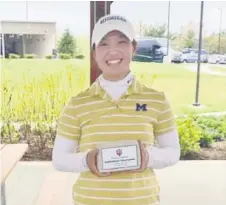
(96,89)
(126,81)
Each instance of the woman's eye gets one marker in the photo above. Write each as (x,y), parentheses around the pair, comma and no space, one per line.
(103,44)
(123,42)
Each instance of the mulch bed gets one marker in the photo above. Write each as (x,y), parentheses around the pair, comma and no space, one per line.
(217,151)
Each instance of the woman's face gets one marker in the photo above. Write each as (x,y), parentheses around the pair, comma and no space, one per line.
(114,54)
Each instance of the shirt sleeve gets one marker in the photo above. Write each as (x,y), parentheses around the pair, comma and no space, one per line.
(64,157)
(65,154)
(167,151)
(165,120)
(68,124)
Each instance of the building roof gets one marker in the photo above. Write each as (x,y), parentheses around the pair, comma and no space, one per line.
(33,22)
(27,27)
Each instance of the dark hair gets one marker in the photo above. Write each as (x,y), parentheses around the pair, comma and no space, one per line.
(134,42)
(94,46)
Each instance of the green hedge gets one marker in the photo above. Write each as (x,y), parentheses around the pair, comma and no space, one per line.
(190,135)
(213,127)
(64,56)
(14,56)
(49,56)
(80,56)
(29,56)
(200,131)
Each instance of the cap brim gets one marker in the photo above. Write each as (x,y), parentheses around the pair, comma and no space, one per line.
(111,27)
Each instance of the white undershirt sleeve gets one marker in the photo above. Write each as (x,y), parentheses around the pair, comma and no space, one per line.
(165,154)
(167,151)
(64,157)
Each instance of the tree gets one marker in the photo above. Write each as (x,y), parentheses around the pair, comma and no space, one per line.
(155,31)
(211,43)
(189,39)
(67,43)
(189,34)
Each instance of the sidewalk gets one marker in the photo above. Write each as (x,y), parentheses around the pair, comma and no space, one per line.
(204,68)
(187,183)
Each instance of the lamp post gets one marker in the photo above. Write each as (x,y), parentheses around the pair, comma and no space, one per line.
(199,53)
(3,44)
(168,28)
(219,37)
(26,10)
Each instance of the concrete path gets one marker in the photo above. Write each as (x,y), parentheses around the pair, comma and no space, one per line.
(204,68)
(187,183)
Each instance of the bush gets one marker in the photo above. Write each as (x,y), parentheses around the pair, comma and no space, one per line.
(49,57)
(29,56)
(207,137)
(189,134)
(14,56)
(200,131)
(64,56)
(9,133)
(80,56)
(213,129)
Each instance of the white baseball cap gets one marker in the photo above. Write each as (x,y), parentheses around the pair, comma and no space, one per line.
(110,23)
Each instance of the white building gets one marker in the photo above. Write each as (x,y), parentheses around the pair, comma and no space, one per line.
(27,37)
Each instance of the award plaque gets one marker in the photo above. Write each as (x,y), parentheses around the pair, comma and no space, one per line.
(119,156)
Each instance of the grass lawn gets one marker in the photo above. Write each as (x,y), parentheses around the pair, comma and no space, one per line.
(218,69)
(177,82)
(179,85)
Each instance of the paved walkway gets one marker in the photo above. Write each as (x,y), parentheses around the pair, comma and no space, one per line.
(187,183)
(204,68)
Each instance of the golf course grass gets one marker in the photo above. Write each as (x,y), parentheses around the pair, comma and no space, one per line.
(178,83)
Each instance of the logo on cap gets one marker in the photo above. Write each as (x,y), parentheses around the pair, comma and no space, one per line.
(108,18)
(119,152)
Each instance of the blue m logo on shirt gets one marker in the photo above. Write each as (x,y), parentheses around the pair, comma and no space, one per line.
(142,107)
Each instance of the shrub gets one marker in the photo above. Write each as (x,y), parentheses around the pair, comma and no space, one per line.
(189,134)
(64,56)
(200,131)
(30,56)
(9,133)
(207,137)
(212,127)
(14,56)
(49,57)
(80,56)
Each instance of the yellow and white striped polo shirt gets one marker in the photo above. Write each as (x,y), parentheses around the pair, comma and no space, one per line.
(93,118)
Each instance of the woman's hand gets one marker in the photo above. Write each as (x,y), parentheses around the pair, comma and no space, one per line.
(92,163)
(144,159)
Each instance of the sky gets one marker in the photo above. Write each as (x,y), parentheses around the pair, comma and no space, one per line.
(75,14)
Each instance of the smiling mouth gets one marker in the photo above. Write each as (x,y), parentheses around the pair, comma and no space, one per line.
(114,62)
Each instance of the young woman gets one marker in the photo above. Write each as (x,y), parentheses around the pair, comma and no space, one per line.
(115,107)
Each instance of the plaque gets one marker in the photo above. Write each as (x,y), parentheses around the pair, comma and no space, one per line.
(119,156)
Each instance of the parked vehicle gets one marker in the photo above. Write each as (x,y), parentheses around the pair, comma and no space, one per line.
(222,59)
(176,56)
(214,58)
(190,55)
(217,58)
(148,50)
